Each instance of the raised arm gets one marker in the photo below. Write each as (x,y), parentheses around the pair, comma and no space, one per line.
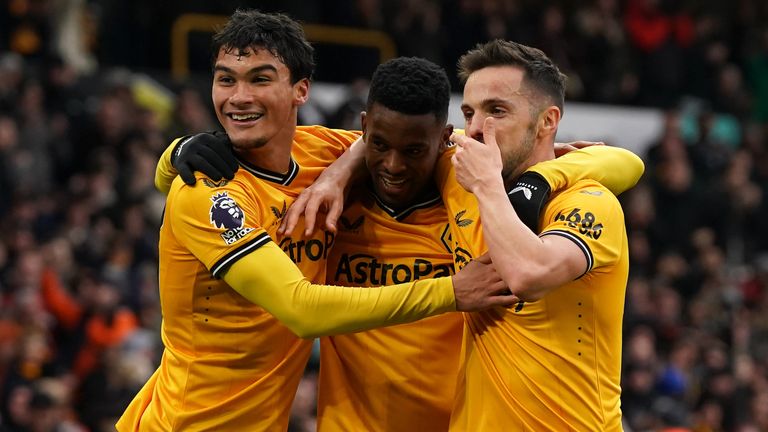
(165,172)
(311,310)
(328,192)
(220,227)
(530,265)
(615,168)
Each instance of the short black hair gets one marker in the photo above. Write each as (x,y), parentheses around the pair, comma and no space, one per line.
(412,86)
(249,29)
(541,73)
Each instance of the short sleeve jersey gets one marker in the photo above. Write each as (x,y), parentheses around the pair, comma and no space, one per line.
(399,378)
(553,364)
(228,364)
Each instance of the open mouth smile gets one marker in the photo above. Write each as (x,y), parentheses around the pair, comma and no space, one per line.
(393,183)
(245,117)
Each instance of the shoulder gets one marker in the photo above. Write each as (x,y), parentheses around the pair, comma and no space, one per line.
(318,133)
(586,200)
(586,206)
(588,214)
(588,191)
(205,191)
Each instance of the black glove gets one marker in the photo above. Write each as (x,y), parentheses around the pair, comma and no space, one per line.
(209,153)
(528,197)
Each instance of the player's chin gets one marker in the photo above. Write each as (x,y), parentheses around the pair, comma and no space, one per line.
(245,141)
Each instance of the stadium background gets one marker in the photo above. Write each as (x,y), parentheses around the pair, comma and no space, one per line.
(91,91)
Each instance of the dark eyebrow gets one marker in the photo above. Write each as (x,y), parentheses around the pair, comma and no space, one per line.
(253,71)
(495,101)
(491,101)
(376,136)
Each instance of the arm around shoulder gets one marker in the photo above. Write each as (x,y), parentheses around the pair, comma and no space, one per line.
(615,168)
(165,172)
(267,277)
(582,229)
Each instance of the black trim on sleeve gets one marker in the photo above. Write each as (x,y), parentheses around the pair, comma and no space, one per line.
(579,242)
(246,248)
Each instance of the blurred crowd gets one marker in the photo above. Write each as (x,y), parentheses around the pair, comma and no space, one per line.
(79,216)
(696,333)
(646,52)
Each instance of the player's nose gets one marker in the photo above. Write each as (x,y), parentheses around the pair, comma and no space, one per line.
(475,128)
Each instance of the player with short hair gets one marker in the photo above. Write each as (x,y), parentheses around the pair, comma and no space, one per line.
(552,363)
(394,229)
(235,294)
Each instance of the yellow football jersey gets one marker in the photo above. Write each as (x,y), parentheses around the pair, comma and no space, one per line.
(399,378)
(227,363)
(553,364)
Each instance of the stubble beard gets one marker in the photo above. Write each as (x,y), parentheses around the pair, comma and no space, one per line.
(514,160)
(248,145)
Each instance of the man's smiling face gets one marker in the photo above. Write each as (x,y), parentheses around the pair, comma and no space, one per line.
(401,152)
(254,97)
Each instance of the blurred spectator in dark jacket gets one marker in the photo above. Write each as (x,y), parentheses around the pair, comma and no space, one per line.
(660,31)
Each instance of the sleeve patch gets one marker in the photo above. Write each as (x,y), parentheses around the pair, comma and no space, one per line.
(226,214)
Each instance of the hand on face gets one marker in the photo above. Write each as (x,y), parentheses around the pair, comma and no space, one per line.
(478,164)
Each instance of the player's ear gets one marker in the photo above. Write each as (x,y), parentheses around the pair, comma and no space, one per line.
(301,92)
(446,137)
(548,121)
(363,121)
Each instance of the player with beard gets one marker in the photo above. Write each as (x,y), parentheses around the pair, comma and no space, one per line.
(464,219)
(233,301)
(552,362)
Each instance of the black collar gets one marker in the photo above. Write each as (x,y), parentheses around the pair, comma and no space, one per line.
(271,176)
(429,199)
